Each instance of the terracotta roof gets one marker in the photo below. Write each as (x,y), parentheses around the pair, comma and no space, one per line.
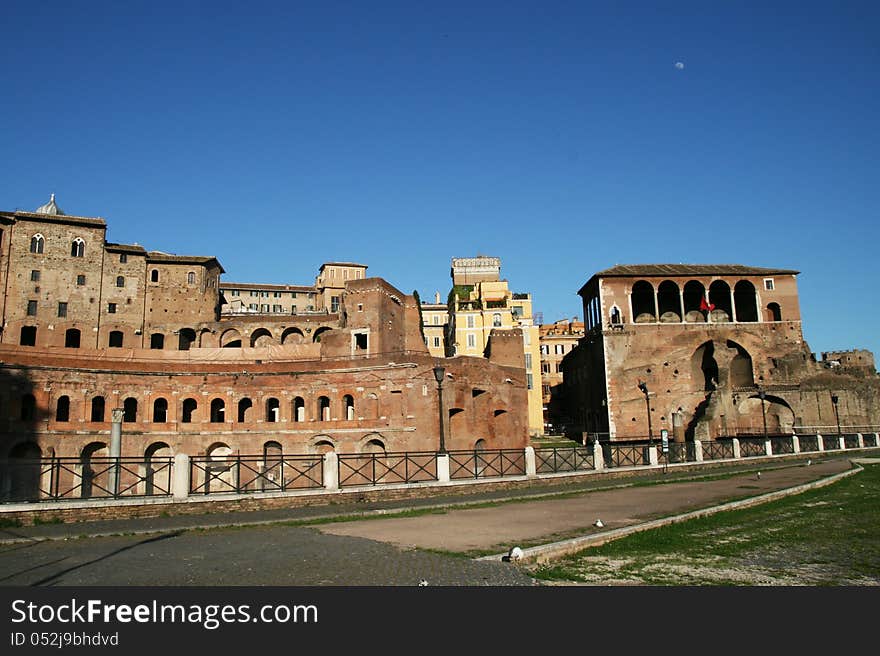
(125,248)
(61,218)
(256,286)
(658,270)
(156,256)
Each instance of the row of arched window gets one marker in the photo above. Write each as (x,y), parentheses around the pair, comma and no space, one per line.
(77,246)
(668,303)
(246,412)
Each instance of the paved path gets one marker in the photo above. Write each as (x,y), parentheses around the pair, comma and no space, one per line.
(500,527)
(167,551)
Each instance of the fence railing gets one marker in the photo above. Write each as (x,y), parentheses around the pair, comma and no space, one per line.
(246,474)
(781,445)
(74,478)
(750,447)
(486,464)
(379,468)
(23,480)
(555,460)
(678,452)
(718,450)
(808,442)
(625,456)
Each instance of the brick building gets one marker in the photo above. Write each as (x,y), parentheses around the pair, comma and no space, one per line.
(89,326)
(699,345)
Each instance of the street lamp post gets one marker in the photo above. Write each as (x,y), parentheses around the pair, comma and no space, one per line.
(762,395)
(439,373)
(834,399)
(644,387)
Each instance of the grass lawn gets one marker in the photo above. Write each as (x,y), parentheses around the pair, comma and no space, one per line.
(828,536)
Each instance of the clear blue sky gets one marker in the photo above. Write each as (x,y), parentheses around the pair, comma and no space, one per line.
(560,137)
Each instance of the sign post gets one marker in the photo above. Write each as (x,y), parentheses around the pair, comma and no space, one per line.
(664,440)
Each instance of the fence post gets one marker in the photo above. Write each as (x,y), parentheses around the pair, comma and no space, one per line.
(180,484)
(652,456)
(331,471)
(768,447)
(820,444)
(736,452)
(698,451)
(861,441)
(598,457)
(841,442)
(442,467)
(795,444)
(531,468)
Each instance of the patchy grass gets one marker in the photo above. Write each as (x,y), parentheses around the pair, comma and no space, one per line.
(827,536)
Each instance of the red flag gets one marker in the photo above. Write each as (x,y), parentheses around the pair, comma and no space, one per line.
(706,307)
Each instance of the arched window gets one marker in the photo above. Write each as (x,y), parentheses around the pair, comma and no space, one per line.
(160,411)
(191,278)
(157,341)
(218,411)
(189,407)
(719,296)
(116,338)
(98,408)
(186,339)
(130,408)
(694,301)
(77,248)
(37,242)
(669,301)
(642,298)
(324,408)
(615,315)
(348,407)
(272,409)
(62,409)
(71,338)
(299,409)
(774,312)
(120,281)
(745,301)
(28,407)
(243,406)
(154,275)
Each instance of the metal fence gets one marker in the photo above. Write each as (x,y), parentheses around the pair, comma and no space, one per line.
(851,441)
(555,460)
(717,450)
(255,473)
(52,479)
(830,442)
(752,446)
(808,442)
(625,456)
(780,445)
(485,464)
(678,452)
(870,439)
(378,468)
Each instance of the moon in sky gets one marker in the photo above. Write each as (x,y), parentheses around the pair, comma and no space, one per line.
(679,65)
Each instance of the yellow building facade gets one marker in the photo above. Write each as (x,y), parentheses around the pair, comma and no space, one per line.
(480,301)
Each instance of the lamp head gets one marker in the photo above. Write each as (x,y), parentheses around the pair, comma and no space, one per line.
(439,372)
(834,399)
(644,387)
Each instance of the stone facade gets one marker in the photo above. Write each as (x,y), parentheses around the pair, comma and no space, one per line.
(700,345)
(359,378)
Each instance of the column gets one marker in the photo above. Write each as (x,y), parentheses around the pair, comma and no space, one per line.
(819,443)
(736,453)
(768,447)
(796,443)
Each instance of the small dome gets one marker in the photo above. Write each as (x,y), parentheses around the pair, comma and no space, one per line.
(50,207)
